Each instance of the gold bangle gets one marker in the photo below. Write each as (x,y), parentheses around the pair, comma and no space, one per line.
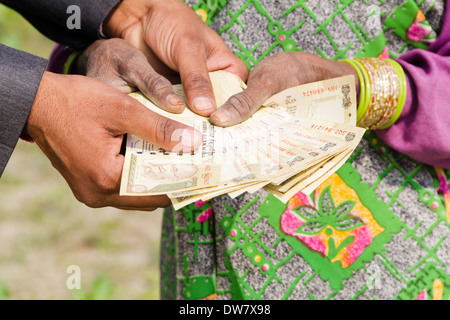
(385,87)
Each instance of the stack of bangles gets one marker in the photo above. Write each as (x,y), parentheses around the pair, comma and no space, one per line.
(382,91)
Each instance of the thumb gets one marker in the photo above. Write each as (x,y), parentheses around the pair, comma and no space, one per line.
(136,119)
(240,107)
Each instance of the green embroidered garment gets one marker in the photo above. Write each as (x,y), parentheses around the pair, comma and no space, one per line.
(379,228)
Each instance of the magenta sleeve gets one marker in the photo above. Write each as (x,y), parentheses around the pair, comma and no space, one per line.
(423,128)
(58,58)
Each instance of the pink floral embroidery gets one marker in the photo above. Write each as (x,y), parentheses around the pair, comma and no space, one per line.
(422,295)
(417,32)
(290,222)
(205,215)
(420,30)
(384,54)
(443,189)
(339,228)
(199,203)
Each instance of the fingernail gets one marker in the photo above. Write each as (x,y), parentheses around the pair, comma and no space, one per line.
(175,100)
(221,116)
(203,104)
(191,138)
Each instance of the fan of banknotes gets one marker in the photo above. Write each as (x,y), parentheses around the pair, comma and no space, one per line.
(294,142)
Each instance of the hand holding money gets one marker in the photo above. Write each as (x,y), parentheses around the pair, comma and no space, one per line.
(294,141)
(275,74)
(171,33)
(82,134)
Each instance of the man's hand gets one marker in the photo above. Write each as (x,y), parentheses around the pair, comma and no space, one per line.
(275,74)
(172,32)
(79,124)
(119,64)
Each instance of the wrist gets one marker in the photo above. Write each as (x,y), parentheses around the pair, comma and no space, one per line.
(81,62)
(38,115)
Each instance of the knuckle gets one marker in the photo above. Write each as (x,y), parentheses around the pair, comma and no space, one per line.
(125,110)
(114,42)
(241,104)
(197,80)
(265,81)
(157,83)
(193,42)
(93,203)
(135,59)
(160,202)
(166,203)
(163,130)
(109,48)
(100,184)
(105,184)
(103,181)
(89,200)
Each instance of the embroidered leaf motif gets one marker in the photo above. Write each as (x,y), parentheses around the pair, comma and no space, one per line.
(307,212)
(311,228)
(338,218)
(343,209)
(326,203)
(349,223)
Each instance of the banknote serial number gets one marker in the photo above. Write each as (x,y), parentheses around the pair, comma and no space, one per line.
(309,93)
(338,132)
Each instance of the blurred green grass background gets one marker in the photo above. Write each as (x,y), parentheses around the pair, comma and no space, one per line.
(44,229)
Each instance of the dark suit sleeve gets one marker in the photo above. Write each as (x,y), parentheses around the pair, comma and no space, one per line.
(20,75)
(50,18)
